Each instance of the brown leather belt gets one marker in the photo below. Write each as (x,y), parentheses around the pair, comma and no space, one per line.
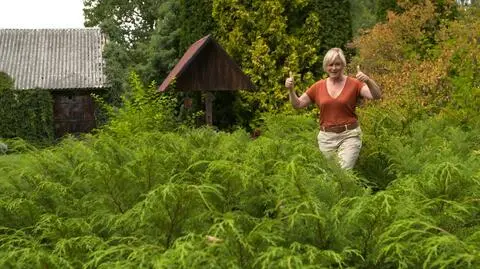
(339,128)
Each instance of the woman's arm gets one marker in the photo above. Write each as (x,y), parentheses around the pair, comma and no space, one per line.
(371,90)
(297,102)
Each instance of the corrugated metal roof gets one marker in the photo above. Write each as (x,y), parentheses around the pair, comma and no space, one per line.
(184,62)
(53,58)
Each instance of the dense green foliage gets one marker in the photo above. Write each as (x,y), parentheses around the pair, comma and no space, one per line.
(148,199)
(26,114)
(147,191)
(6,82)
(143,109)
(363,15)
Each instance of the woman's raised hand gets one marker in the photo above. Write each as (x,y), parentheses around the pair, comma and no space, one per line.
(289,82)
(360,75)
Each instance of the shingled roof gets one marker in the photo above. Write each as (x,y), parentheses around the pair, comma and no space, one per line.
(206,66)
(53,59)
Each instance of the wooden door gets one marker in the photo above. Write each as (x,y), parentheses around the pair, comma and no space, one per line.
(73,114)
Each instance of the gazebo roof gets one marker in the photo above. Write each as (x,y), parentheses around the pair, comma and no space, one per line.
(206,66)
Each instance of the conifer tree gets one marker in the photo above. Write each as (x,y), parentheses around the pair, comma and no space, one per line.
(147,37)
(270,38)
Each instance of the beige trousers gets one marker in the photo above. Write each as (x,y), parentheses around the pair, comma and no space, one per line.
(346,146)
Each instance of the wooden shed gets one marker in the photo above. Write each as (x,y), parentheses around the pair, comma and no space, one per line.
(67,62)
(207,67)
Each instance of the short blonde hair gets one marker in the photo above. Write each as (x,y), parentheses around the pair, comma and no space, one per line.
(331,55)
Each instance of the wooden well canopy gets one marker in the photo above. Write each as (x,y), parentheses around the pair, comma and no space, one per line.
(207,67)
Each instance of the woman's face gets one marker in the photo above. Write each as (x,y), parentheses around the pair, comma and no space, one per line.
(335,68)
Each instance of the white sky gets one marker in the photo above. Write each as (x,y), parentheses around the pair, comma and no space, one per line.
(41,14)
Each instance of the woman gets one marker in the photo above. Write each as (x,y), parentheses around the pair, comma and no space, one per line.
(337,97)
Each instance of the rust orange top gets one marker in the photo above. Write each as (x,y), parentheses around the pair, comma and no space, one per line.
(339,110)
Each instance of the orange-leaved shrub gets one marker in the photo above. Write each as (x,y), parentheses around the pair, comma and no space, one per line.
(405,57)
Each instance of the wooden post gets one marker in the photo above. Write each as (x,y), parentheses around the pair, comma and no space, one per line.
(209,97)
